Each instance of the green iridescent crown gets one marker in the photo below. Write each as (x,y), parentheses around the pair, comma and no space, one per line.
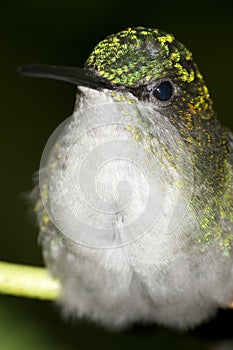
(137,56)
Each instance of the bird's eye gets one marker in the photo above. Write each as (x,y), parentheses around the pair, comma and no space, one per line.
(163,91)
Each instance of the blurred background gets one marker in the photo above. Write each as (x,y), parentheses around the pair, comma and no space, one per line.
(64,32)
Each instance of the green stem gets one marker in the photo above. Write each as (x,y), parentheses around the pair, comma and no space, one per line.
(28,281)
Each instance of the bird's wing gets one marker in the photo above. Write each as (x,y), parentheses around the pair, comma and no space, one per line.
(230,142)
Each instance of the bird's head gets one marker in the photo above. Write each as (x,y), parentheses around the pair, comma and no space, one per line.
(153,66)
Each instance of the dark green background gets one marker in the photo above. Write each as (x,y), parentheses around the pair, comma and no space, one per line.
(64,32)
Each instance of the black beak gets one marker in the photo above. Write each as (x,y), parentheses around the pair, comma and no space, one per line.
(73,75)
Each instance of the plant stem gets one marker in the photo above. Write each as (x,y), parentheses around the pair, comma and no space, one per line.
(28,281)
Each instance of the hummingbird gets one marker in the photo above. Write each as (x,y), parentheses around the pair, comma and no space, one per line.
(134,200)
